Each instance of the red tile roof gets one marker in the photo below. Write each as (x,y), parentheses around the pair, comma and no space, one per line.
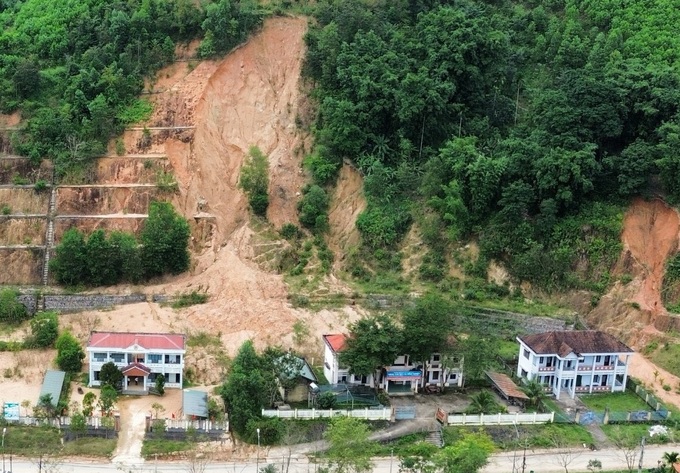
(336,341)
(135,369)
(150,341)
(576,341)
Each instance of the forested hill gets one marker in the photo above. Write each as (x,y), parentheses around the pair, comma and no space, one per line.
(75,68)
(527,125)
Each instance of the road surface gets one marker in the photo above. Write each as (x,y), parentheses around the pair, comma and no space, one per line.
(545,461)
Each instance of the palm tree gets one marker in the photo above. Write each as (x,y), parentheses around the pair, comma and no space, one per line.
(535,391)
(483,403)
(670,458)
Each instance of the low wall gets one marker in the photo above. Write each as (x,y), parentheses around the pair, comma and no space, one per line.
(309,414)
(77,302)
(500,419)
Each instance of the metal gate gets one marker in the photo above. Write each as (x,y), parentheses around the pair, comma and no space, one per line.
(404,412)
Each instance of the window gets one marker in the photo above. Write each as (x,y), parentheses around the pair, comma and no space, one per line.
(436,357)
(343,379)
(524,374)
(118,357)
(540,360)
(453,376)
(526,354)
(598,359)
(173,359)
(435,375)
(96,375)
(154,358)
(596,379)
(99,357)
(177,377)
(326,365)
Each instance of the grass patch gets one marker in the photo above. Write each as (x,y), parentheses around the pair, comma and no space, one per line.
(90,447)
(189,299)
(30,441)
(203,339)
(626,401)
(401,445)
(138,111)
(668,358)
(508,349)
(525,306)
(161,447)
(536,436)
(638,431)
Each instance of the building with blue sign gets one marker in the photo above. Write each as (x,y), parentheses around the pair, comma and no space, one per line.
(403,377)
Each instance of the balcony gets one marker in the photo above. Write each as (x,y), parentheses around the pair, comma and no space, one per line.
(546,369)
(619,366)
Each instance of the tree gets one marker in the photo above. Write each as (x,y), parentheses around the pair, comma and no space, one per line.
(479,354)
(160,384)
(254,180)
(78,421)
(107,399)
(670,459)
(349,450)
(88,403)
(246,389)
(418,458)
(326,400)
(46,407)
(44,329)
(484,403)
(627,444)
(157,409)
(535,391)
(110,375)
(69,264)
(426,328)
(70,354)
(313,208)
(11,310)
(467,455)
(564,453)
(165,239)
(374,342)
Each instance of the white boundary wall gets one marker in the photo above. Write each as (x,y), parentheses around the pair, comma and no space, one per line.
(368,414)
(501,419)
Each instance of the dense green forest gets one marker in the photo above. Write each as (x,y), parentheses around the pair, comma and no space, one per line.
(526,125)
(75,68)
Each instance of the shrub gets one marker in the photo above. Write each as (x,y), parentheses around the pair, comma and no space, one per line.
(11,310)
(70,354)
(40,185)
(160,384)
(326,400)
(254,180)
(313,209)
(44,329)
(110,375)
(189,299)
(165,239)
(290,231)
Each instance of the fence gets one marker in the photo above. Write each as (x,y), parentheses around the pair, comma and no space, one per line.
(500,419)
(64,422)
(309,414)
(198,425)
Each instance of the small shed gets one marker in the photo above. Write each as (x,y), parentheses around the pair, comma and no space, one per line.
(52,385)
(507,388)
(195,404)
(298,375)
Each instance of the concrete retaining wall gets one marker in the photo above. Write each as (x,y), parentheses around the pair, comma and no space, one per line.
(77,302)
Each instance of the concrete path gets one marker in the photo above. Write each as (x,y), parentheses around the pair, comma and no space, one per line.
(131,435)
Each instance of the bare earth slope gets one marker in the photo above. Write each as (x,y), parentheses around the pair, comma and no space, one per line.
(249,98)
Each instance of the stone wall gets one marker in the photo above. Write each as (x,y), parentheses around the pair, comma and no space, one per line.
(77,302)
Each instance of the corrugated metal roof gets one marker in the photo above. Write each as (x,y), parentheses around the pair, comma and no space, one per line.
(54,381)
(195,403)
(506,386)
(150,341)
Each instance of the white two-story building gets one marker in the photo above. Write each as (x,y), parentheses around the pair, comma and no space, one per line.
(140,356)
(404,376)
(578,361)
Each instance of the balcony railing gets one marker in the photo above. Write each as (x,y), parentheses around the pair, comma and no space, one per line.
(546,368)
(601,367)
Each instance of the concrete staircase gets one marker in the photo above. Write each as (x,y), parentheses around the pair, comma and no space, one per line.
(49,237)
(435,437)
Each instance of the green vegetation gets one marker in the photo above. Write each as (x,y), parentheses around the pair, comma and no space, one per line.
(70,354)
(102,259)
(668,357)
(44,330)
(75,70)
(536,436)
(189,299)
(157,446)
(90,447)
(636,431)
(626,401)
(523,125)
(254,180)
(11,310)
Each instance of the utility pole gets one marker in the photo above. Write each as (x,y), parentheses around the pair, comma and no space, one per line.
(642,454)
(391,456)
(4,431)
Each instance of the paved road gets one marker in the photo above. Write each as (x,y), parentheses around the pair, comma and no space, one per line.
(540,462)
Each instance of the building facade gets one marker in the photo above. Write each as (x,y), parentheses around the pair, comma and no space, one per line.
(403,376)
(578,361)
(140,356)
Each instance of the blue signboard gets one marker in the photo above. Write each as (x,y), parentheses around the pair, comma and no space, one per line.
(403,374)
(11,411)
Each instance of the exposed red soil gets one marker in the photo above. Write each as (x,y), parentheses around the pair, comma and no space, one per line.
(650,236)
